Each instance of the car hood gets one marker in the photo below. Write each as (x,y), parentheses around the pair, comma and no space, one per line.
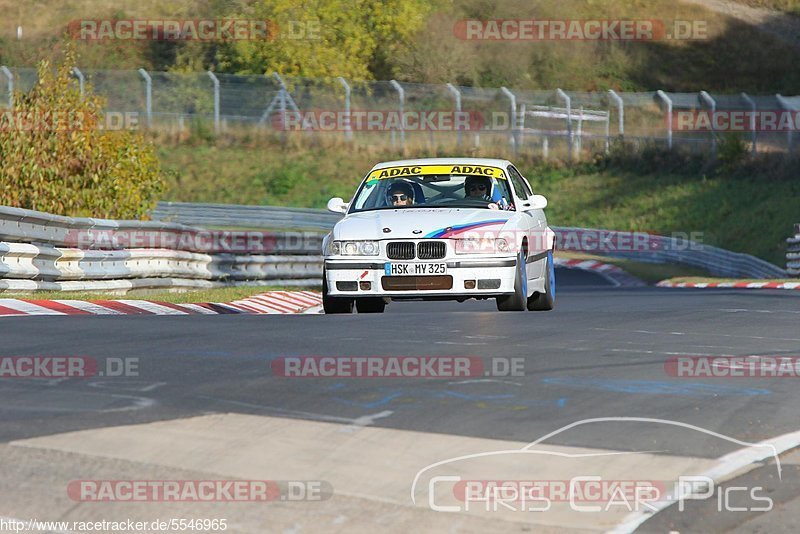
(418,223)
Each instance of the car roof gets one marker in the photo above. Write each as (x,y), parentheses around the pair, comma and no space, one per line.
(487,162)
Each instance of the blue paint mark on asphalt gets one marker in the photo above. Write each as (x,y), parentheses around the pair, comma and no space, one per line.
(417,398)
(374,404)
(654,387)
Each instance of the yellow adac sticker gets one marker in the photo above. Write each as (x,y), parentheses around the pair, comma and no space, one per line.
(421,170)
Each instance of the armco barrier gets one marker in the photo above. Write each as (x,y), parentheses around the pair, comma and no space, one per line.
(43,251)
(793,252)
(222,215)
(717,261)
(39,251)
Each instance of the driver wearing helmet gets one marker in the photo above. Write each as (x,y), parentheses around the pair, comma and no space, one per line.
(400,193)
(478,188)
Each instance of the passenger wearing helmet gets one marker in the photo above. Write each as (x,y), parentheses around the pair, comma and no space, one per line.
(478,188)
(400,194)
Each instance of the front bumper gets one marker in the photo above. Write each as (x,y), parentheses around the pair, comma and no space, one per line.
(491,276)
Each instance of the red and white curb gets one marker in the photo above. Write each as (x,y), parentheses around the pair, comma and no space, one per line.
(734,285)
(274,302)
(613,273)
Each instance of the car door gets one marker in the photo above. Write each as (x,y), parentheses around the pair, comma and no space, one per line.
(533,221)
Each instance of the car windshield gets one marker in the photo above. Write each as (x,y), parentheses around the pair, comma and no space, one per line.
(433,190)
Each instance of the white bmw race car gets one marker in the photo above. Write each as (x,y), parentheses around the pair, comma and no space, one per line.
(440,229)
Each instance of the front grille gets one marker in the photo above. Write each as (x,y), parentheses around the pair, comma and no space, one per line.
(400,250)
(431,250)
(416,283)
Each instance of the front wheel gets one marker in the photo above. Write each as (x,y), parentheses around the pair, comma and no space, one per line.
(517,300)
(334,304)
(546,301)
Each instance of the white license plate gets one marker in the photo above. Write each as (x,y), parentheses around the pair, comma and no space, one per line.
(414,269)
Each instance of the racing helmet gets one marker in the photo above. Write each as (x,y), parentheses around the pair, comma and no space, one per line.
(399,186)
(473,181)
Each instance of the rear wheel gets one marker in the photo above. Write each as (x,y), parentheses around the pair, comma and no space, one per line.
(370,305)
(546,301)
(516,301)
(334,304)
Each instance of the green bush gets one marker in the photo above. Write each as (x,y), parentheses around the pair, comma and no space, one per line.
(56,157)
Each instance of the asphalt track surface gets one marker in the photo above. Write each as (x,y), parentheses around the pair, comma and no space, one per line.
(601,353)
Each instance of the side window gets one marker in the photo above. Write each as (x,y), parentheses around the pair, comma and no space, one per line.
(525,183)
(517,183)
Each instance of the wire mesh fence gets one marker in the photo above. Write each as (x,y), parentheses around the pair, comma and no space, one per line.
(405,114)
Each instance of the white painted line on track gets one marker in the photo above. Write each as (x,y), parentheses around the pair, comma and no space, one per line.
(736,463)
(364,420)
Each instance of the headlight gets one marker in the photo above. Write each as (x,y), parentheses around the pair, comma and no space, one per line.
(481,246)
(334,248)
(353,248)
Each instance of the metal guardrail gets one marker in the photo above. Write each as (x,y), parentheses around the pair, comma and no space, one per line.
(237,215)
(717,261)
(38,251)
(793,252)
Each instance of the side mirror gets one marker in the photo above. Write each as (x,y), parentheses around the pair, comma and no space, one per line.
(537,202)
(337,205)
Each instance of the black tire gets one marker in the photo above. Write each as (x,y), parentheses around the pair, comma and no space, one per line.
(518,300)
(545,301)
(370,305)
(334,304)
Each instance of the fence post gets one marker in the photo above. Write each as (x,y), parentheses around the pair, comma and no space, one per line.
(513,121)
(713,105)
(753,133)
(668,101)
(621,108)
(568,102)
(784,107)
(10,84)
(78,74)
(348,126)
(402,95)
(215,80)
(282,101)
(457,96)
(148,96)
(608,131)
